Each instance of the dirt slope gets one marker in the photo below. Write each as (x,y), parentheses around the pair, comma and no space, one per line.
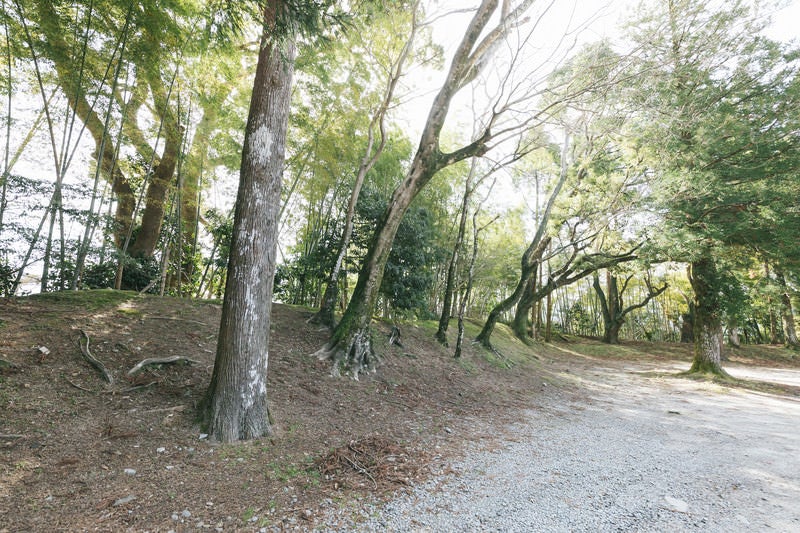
(70,443)
(78,454)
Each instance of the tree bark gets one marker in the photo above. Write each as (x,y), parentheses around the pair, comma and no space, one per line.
(521,324)
(235,406)
(704,279)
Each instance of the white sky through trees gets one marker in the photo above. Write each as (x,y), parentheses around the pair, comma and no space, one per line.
(582,21)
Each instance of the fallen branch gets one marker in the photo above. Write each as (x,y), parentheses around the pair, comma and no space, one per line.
(175,408)
(93,360)
(361,470)
(160,361)
(12,436)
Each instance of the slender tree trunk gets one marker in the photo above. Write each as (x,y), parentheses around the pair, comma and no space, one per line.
(548,318)
(7,151)
(350,347)
(235,406)
(787,314)
(325,315)
(449,287)
(104,152)
(462,307)
(55,207)
(707,322)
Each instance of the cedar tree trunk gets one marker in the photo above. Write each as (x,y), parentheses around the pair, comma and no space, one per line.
(707,322)
(235,406)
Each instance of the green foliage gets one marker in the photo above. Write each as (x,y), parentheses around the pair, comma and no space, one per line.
(7,277)
(91,299)
(410,271)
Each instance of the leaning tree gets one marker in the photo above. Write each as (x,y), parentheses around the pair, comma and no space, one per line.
(512,112)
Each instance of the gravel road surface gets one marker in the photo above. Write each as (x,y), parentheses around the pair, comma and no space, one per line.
(636,453)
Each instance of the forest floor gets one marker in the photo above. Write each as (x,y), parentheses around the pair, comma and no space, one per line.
(77,453)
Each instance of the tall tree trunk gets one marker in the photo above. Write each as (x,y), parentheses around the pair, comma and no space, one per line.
(530,258)
(160,182)
(707,320)
(687,326)
(548,318)
(521,322)
(235,406)
(462,306)
(612,306)
(773,319)
(733,335)
(608,307)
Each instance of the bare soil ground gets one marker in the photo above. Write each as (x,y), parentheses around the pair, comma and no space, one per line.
(78,454)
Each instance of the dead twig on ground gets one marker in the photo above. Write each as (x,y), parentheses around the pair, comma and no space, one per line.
(381,461)
(77,386)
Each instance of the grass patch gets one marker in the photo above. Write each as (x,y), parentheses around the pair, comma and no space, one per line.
(90,300)
(745,384)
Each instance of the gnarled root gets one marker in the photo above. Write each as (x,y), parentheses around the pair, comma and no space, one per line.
(353,355)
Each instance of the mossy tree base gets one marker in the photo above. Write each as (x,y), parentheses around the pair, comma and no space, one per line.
(700,367)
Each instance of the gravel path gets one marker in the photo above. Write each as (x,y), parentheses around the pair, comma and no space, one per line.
(640,454)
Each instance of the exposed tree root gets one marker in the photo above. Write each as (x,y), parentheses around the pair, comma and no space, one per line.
(99,366)
(357,357)
(394,337)
(700,368)
(160,361)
